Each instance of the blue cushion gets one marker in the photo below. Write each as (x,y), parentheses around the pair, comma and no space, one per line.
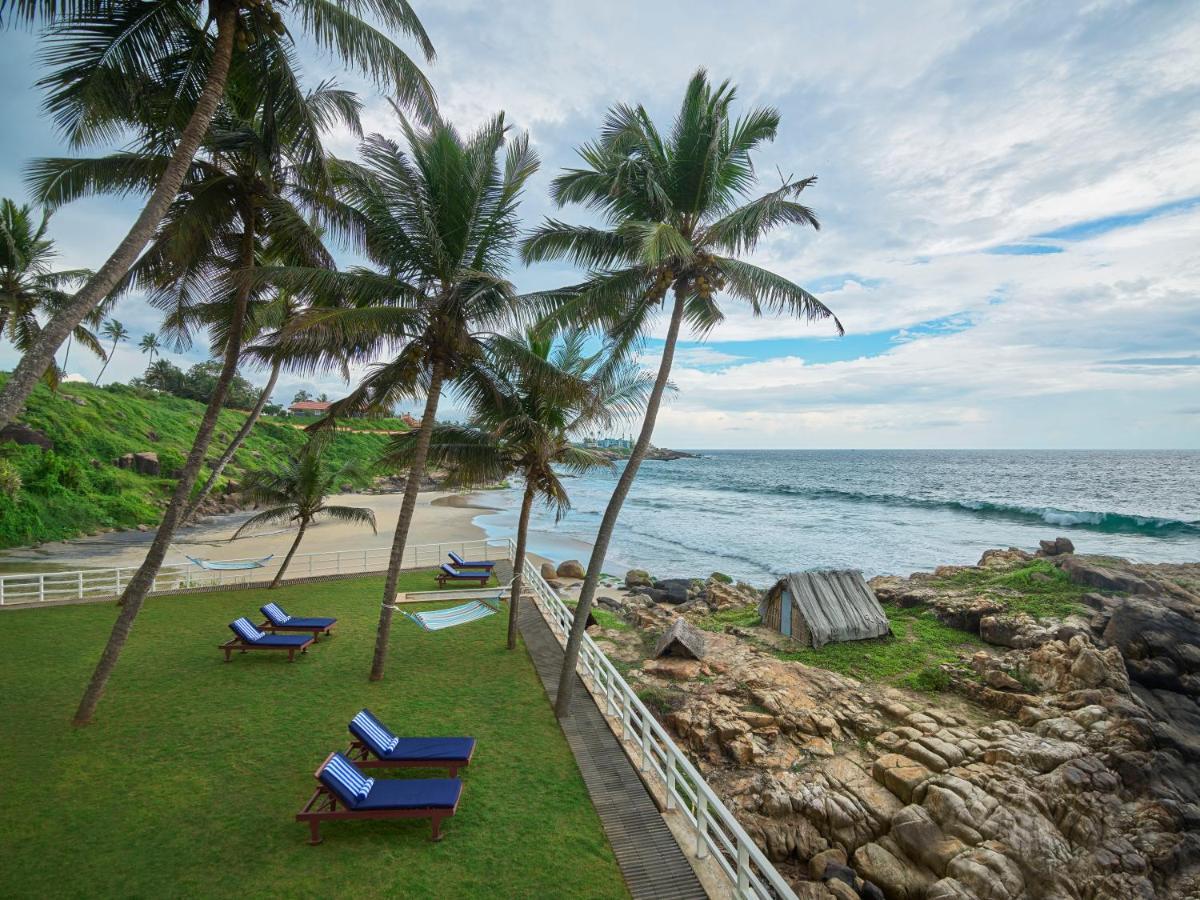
(465,573)
(244,629)
(449,748)
(349,784)
(414,793)
(282,640)
(371,732)
(275,614)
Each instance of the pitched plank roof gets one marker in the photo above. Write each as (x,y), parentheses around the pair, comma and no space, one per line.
(836,605)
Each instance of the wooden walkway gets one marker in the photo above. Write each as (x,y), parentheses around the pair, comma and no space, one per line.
(650,859)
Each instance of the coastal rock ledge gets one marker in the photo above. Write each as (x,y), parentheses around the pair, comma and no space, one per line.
(1053,752)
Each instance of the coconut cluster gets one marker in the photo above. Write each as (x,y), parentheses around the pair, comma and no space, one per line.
(262,16)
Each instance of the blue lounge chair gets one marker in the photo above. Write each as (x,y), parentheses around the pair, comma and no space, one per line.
(250,638)
(374,746)
(278,620)
(345,793)
(448,573)
(459,563)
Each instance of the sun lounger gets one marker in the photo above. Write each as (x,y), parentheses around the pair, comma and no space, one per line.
(278,620)
(345,793)
(374,746)
(451,574)
(250,638)
(459,563)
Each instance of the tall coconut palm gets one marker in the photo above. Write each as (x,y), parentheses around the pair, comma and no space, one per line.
(439,219)
(297,495)
(160,68)
(30,288)
(542,403)
(117,333)
(261,170)
(150,344)
(678,219)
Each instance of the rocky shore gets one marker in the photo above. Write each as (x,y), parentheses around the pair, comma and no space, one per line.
(1053,754)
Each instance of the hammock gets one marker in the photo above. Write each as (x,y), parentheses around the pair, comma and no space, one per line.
(437,619)
(220,566)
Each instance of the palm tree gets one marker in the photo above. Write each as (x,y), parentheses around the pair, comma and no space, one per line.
(150,344)
(262,166)
(29,285)
(115,332)
(544,401)
(677,216)
(440,221)
(160,68)
(298,494)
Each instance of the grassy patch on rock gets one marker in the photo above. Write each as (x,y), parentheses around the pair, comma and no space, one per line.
(1038,588)
(912,657)
(738,616)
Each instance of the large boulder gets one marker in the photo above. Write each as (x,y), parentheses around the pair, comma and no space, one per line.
(671,590)
(144,463)
(19,433)
(1160,646)
(572,568)
(1104,575)
(1060,546)
(638,578)
(681,639)
(549,572)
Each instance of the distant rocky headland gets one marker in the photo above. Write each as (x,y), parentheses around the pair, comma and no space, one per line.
(1030,729)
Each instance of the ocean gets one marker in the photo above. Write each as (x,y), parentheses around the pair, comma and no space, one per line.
(754,514)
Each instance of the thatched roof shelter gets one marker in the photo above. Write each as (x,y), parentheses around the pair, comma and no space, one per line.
(817,608)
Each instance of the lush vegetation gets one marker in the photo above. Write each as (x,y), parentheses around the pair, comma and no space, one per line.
(1040,589)
(912,657)
(77,489)
(189,783)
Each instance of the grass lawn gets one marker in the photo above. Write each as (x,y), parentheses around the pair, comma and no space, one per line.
(187,782)
(1038,588)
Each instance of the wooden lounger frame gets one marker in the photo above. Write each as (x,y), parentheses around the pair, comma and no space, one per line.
(324,805)
(314,630)
(243,646)
(365,759)
(443,577)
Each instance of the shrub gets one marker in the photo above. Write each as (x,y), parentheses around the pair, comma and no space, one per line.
(10,479)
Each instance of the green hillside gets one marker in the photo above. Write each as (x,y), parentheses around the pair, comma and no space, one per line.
(77,489)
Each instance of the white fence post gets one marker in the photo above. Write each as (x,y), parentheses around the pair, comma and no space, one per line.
(671,769)
(41,588)
(80,577)
(743,866)
(701,823)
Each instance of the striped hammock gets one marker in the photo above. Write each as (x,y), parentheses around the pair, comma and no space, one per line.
(220,566)
(437,619)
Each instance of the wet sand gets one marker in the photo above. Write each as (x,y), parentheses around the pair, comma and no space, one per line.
(440,517)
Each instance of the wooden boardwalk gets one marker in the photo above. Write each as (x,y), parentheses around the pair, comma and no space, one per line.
(650,859)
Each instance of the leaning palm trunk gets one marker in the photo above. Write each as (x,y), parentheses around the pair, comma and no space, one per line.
(291,552)
(409,507)
(36,360)
(519,564)
(243,432)
(142,582)
(562,706)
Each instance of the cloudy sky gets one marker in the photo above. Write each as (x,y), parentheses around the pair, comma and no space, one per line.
(1009,195)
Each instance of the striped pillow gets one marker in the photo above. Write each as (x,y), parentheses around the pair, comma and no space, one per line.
(246,631)
(369,726)
(346,779)
(275,614)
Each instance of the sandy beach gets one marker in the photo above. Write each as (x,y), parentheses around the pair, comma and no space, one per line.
(440,517)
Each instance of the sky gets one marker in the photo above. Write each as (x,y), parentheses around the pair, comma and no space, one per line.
(1009,196)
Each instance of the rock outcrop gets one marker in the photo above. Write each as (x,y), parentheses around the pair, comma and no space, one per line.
(1061,763)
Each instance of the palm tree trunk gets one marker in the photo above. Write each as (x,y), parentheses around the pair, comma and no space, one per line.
(34,363)
(141,583)
(223,461)
(415,474)
(66,356)
(562,706)
(519,564)
(291,552)
(107,359)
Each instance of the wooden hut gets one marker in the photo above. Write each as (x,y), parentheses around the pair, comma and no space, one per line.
(817,608)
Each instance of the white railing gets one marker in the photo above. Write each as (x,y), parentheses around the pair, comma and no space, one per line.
(715,830)
(96,584)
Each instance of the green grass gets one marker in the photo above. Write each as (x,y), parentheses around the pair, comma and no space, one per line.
(187,782)
(1038,588)
(77,489)
(910,658)
(740,616)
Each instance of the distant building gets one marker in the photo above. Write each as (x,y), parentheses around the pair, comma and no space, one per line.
(817,608)
(310,408)
(410,421)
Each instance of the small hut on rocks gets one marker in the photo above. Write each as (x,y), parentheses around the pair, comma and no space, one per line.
(817,608)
